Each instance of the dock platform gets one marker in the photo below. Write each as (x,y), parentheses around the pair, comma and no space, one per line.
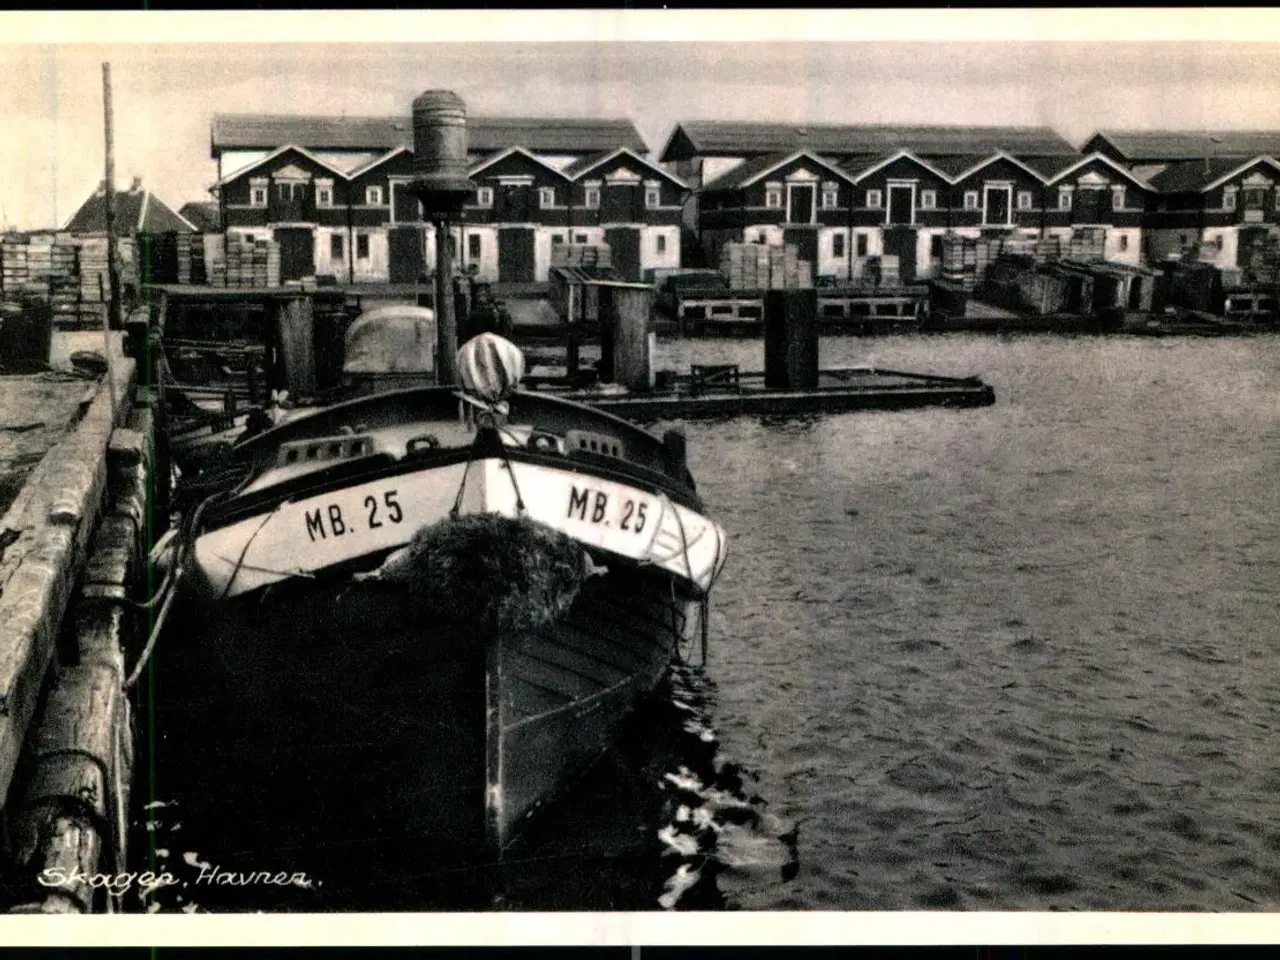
(724,392)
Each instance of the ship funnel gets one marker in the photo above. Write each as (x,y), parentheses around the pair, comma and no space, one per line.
(440,152)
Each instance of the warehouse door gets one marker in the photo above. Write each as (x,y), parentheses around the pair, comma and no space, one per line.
(900,242)
(297,253)
(515,255)
(404,246)
(1090,207)
(996,206)
(624,247)
(806,244)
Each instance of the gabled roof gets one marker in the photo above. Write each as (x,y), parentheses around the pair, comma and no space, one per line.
(276,153)
(716,138)
(489,161)
(1194,176)
(1173,145)
(757,168)
(377,134)
(377,162)
(1107,161)
(1050,167)
(861,167)
(136,211)
(203,216)
(581,167)
(996,158)
(955,164)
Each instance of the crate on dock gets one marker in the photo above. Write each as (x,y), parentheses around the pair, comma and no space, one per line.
(756,266)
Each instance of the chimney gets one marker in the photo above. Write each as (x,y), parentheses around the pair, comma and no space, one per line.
(137,185)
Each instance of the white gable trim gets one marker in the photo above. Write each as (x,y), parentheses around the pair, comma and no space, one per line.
(278,151)
(376,162)
(514,151)
(842,174)
(901,155)
(999,155)
(635,158)
(142,211)
(1261,158)
(1104,159)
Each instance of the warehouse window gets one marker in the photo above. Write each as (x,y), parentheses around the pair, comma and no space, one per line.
(928,199)
(1124,242)
(591,197)
(662,243)
(362,246)
(335,246)
(862,244)
(258,196)
(373,196)
(837,244)
(1217,241)
(1229,198)
(935,247)
(484,197)
(1064,198)
(557,238)
(773,197)
(971,200)
(1117,198)
(324,197)
(1024,199)
(547,196)
(473,246)
(580,238)
(874,199)
(762,237)
(830,196)
(248,237)
(652,197)
(288,191)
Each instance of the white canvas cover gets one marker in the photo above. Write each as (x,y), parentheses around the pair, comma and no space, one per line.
(392,339)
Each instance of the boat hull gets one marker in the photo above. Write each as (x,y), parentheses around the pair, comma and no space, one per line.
(443,742)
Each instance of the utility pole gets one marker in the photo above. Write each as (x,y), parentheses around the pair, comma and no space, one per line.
(113,278)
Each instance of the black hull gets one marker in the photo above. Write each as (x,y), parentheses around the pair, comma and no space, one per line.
(325,720)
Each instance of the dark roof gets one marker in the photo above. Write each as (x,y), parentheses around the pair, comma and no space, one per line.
(743,172)
(586,163)
(955,164)
(484,134)
(1192,144)
(1049,167)
(203,216)
(136,211)
(1190,176)
(710,138)
(583,164)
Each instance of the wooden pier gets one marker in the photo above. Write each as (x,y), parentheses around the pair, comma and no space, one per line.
(74,450)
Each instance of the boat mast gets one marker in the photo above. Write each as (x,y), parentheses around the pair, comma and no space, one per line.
(109,191)
(442,186)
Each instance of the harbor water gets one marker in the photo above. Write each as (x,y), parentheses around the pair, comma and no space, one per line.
(1015,657)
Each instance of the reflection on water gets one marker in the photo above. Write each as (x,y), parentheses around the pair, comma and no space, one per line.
(663,821)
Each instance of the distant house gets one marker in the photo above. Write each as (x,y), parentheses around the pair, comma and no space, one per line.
(137,211)
(203,216)
(143,217)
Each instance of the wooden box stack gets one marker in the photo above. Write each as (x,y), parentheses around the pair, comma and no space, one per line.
(756,266)
(247,264)
(1088,244)
(581,255)
(184,243)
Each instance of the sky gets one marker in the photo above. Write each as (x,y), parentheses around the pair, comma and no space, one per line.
(165,93)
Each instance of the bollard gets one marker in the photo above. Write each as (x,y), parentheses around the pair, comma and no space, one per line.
(296,327)
(626,337)
(791,339)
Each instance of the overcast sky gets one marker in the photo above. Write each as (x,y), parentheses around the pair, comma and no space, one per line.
(51,150)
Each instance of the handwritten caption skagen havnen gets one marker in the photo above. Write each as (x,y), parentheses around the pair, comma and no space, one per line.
(209,875)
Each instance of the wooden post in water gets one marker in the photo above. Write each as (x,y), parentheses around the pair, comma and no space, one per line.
(628,318)
(113,277)
(296,326)
(791,339)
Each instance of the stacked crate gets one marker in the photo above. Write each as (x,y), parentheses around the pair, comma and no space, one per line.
(184,241)
(247,264)
(581,255)
(755,266)
(1088,244)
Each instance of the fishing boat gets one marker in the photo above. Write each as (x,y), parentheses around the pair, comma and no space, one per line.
(455,596)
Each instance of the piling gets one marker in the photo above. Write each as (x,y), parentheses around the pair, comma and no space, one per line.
(791,339)
(626,335)
(295,325)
